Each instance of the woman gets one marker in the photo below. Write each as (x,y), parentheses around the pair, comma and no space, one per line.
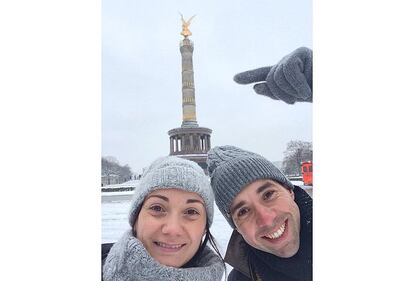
(171,212)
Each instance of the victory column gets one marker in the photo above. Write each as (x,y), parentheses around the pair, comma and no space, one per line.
(189,141)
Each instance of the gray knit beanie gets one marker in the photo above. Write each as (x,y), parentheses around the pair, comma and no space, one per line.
(232,168)
(173,172)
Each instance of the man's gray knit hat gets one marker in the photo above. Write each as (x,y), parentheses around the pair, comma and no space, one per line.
(232,168)
(173,172)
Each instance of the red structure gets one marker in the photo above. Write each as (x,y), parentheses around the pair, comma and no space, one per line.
(307,173)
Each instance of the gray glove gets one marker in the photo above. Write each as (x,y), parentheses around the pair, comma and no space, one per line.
(290,80)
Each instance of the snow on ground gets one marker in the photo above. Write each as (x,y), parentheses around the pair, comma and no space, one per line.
(299,183)
(130,183)
(112,193)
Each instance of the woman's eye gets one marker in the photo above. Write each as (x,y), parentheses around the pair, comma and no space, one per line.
(156,208)
(268,194)
(192,212)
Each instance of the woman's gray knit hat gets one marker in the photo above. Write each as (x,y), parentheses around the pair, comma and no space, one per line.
(232,168)
(173,172)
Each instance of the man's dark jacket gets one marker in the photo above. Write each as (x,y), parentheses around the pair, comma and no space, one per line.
(252,264)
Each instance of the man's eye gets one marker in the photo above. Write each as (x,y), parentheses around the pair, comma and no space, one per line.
(242,212)
(268,195)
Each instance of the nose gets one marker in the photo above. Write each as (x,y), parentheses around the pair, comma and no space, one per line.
(172,226)
(264,216)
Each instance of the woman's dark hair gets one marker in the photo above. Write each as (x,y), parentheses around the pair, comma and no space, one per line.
(209,238)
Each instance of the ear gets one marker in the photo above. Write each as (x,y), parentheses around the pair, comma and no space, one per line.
(292,194)
(135,228)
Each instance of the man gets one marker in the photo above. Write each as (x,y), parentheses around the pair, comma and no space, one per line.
(271,218)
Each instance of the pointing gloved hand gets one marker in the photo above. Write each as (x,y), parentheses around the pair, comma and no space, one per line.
(290,80)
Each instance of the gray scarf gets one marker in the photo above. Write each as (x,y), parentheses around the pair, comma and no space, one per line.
(128,260)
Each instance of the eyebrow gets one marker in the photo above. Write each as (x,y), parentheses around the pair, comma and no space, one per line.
(238,205)
(195,201)
(166,199)
(159,196)
(265,186)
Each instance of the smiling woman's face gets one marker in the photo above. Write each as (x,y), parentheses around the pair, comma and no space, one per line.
(171,225)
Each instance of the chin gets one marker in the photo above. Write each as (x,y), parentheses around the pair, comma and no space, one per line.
(286,253)
(172,263)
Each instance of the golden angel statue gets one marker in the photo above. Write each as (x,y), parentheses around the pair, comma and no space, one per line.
(186,32)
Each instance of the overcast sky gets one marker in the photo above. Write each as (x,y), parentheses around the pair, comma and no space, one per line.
(141,74)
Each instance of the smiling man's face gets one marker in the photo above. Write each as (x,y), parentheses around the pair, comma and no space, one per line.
(267,217)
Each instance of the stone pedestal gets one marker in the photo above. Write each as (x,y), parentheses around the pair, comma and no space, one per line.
(191,143)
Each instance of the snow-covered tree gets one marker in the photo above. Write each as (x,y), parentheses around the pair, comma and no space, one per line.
(296,152)
(112,169)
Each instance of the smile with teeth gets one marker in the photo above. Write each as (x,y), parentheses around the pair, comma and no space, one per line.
(169,246)
(277,233)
